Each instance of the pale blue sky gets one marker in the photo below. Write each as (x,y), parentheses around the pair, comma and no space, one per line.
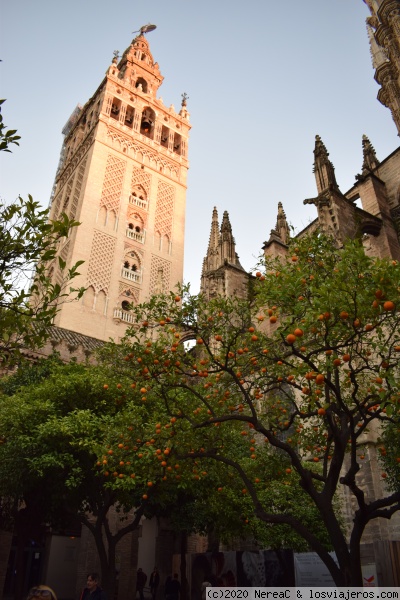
(263,78)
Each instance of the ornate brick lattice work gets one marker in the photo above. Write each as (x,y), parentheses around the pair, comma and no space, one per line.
(77,189)
(160,275)
(153,157)
(130,293)
(164,209)
(62,200)
(100,262)
(56,205)
(63,255)
(112,185)
(139,177)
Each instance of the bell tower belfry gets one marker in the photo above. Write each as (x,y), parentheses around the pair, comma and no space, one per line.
(122,175)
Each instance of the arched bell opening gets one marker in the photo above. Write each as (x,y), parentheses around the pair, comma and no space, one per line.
(177,143)
(147,122)
(164,136)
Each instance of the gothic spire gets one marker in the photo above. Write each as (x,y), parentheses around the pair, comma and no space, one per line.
(370,160)
(214,233)
(323,168)
(282,226)
(227,241)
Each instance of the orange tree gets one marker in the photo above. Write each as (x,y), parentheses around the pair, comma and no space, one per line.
(51,416)
(80,442)
(302,375)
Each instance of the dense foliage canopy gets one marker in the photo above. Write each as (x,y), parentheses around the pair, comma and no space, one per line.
(287,388)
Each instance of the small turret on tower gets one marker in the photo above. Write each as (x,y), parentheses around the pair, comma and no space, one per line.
(370,161)
(279,237)
(323,168)
(336,215)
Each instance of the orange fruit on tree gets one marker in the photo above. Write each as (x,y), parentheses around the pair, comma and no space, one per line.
(291,338)
(321,411)
(388,305)
(319,378)
(298,332)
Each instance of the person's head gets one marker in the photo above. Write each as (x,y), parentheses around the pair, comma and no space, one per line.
(43,592)
(92,581)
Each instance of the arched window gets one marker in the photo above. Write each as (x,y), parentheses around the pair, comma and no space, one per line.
(138,198)
(141,85)
(125,305)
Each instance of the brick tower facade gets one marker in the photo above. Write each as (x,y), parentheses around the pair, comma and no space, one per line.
(122,175)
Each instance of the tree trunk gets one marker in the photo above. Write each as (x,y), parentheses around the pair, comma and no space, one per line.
(107,564)
(184,582)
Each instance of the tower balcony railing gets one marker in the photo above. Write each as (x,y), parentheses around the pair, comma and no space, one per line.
(138,236)
(135,276)
(138,202)
(124,315)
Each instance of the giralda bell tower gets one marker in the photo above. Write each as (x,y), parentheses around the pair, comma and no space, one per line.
(122,175)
